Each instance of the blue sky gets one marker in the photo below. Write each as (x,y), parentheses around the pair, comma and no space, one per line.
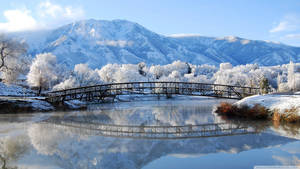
(274,20)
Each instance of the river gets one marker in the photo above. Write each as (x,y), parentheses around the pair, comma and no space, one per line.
(67,140)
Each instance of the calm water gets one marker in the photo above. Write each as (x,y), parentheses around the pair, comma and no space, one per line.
(27,143)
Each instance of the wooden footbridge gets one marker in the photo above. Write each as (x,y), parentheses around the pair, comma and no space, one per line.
(100,92)
(148,132)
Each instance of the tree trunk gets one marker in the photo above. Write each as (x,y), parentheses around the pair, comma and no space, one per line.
(40,90)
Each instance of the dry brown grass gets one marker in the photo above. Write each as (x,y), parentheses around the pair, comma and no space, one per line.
(255,112)
(258,112)
(289,116)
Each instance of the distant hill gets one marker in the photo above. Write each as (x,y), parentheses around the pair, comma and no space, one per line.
(98,42)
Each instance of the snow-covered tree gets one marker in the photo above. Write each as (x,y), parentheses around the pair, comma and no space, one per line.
(291,76)
(176,76)
(141,68)
(225,66)
(86,76)
(128,73)
(13,60)
(107,72)
(44,71)
(81,76)
(70,82)
(181,67)
(157,71)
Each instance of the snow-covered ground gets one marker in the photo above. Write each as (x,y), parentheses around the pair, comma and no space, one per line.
(23,104)
(14,90)
(273,101)
(15,98)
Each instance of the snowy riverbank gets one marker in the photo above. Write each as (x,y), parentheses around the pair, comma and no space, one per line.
(15,105)
(17,99)
(15,90)
(274,102)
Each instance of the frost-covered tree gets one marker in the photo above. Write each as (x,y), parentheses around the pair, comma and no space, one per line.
(141,69)
(107,72)
(297,81)
(128,73)
(82,75)
(86,76)
(157,71)
(13,60)
(176,76)
(44,71)
(225,66)
(291,76)
(70,82)
(181,67)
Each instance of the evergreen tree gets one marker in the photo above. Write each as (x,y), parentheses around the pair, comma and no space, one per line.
(264,85)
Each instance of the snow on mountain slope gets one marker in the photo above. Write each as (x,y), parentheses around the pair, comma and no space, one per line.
(98,42)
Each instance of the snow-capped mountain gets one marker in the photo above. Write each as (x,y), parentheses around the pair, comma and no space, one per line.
(99,42)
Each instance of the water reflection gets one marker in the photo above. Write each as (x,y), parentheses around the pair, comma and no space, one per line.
(148,132)
(30,143)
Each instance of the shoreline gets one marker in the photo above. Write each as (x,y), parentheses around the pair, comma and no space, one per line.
(275,107)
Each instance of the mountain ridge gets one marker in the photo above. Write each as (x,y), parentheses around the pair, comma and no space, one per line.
(99,42)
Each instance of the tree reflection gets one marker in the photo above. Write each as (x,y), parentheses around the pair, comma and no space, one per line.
(11,149)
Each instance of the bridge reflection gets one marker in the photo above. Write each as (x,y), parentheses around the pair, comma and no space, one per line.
(149,132)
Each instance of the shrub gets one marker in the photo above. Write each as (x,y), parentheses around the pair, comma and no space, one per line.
(289,116)
(255,112)
(226,109)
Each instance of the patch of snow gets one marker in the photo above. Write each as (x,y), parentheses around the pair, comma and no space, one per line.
(115,43)
(228,38)
(59,40)
(75,104)
(273,102)
(274,42)
(41,105)
(14,90)
(183,35)
(245,41)
(93,32)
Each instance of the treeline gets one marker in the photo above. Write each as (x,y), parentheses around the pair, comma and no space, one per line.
(45,73)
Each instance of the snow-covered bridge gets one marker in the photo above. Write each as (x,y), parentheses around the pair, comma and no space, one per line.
(100,92)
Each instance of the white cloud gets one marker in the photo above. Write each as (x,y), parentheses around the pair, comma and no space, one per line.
(18,20)
(48,9)
(292,36)
(46,15)
(282,26)
(288,23)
